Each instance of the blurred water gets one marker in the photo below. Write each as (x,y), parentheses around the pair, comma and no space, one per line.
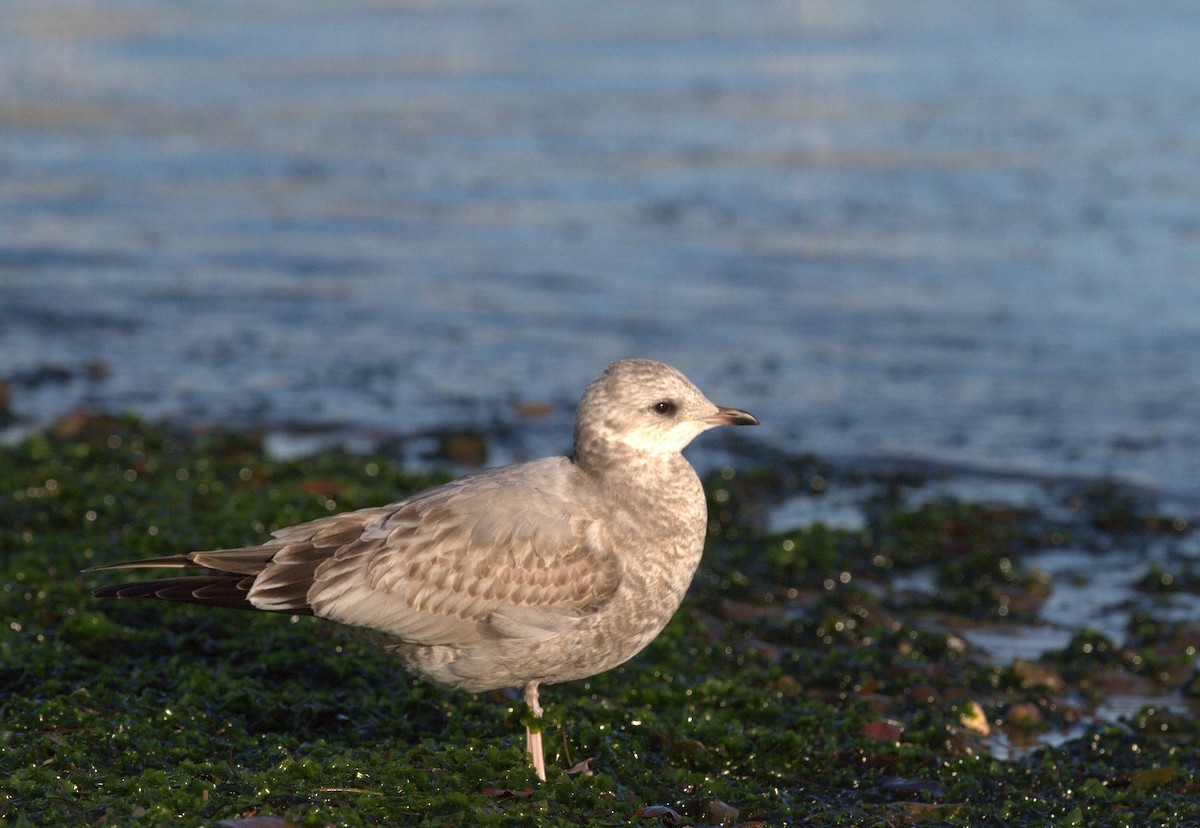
(958,231)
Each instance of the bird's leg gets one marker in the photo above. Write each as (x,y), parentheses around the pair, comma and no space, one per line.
(533,732)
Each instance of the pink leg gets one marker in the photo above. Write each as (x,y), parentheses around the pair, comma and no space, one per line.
(533,738)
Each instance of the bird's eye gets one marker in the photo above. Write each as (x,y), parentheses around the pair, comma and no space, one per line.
(666,407)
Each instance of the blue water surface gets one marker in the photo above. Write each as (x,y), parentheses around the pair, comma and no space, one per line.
(964,232)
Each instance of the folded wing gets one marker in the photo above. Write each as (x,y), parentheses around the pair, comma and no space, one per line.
(507,553)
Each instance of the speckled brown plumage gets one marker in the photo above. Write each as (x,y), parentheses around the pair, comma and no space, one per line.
(538,573)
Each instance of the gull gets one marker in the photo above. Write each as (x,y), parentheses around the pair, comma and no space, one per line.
(537,573)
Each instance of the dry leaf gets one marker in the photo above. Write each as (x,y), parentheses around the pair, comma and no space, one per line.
(662,811)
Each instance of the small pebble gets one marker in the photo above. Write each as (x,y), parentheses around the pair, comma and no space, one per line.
(722,813)
(1024,716)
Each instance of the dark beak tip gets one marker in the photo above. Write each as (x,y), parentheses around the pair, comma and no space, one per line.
(735,416)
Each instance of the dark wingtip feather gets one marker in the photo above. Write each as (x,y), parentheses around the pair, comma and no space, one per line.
(166,560)
(208,590)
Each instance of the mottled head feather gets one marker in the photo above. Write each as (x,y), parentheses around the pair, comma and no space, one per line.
(638,407)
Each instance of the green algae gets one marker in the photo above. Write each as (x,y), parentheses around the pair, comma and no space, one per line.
(785,686)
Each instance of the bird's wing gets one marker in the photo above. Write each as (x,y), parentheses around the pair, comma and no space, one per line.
(508,553)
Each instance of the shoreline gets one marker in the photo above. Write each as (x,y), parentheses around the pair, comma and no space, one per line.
(811,662)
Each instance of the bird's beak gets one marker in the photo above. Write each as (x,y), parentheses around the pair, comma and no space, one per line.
(731,416)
